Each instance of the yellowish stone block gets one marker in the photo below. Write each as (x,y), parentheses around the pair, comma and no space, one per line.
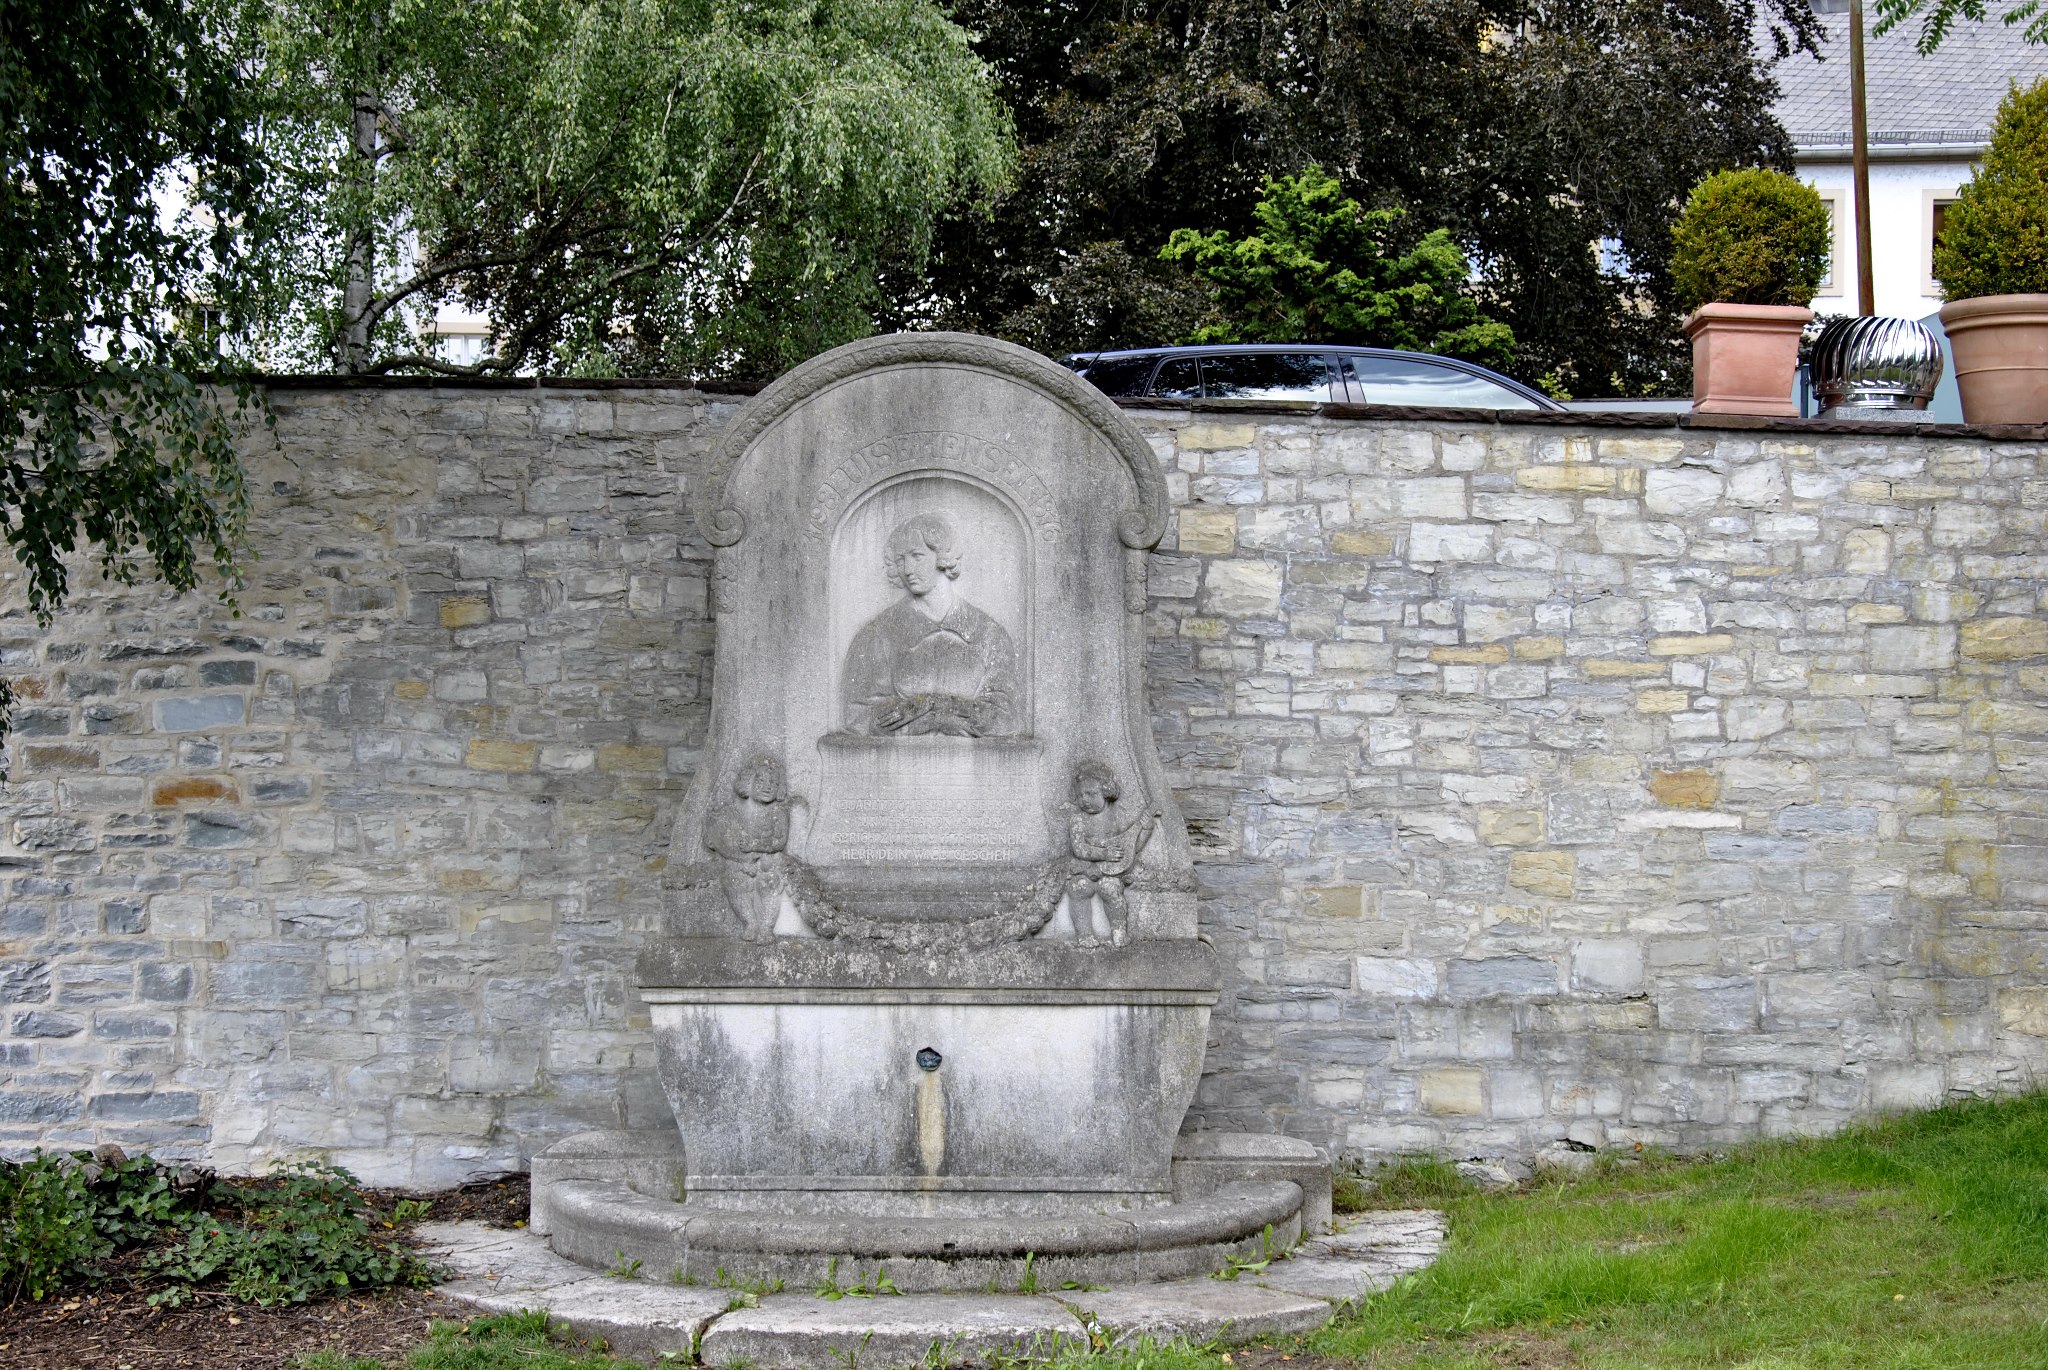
(1215,437)
(1687,789)
(1662,701)
(492,754)
(1609,668)
(1510,827)
(2024,1009)
(1353,543)
(1658,450)
(2005,639)
(1335,901)
(465,611)
(1876,613)
(1543,872)
(1692,644)
(1453,1090)
(1575,478)
(1492,654)
(620,757)
(1208,530)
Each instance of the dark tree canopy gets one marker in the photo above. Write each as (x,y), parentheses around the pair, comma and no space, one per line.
(626,186)
(1529,129)
(128,191)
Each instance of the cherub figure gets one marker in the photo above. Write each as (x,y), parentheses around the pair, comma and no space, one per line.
(750,833)
(1104,846)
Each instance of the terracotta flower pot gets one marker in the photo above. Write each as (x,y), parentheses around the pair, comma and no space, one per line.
(2000,343)
(1744,357)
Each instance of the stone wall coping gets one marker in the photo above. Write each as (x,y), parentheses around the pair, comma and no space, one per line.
(323,381)
(1381,413)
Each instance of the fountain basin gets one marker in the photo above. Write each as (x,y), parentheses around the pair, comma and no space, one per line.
(1018,1080)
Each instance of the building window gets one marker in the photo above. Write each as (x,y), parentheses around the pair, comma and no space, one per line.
(1837,202)
(1933,220)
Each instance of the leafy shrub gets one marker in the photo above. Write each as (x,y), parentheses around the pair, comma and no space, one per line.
(304,1233)
(47,1232)
(1995,240)
(1323,268)
(1750,237)
(281,1240)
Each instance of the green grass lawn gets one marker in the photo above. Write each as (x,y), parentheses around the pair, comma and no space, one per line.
(1919,1242)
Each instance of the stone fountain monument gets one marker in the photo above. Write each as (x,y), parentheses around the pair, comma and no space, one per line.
(933,995)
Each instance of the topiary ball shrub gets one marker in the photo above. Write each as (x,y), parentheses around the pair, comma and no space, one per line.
(1995,240)
(1750,237)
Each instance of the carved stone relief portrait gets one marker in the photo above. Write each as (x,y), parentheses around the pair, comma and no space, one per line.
(935,660)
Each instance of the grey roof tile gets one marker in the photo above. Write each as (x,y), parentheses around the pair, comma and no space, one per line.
(1947,97)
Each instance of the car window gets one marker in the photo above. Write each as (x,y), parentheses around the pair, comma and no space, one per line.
(1266,376)
(1177,379)
(1119,375)
(1400,380)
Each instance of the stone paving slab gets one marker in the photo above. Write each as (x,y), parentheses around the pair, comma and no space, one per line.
(494,1260)
(798,1333)
(1206,1310)
(1367,1253)
(632,1317)
(501,1272)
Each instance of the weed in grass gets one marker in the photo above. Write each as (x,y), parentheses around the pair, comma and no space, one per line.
(408,1211)
(513,1341)
(832,1290)
(941,1355)
(757,1287)
(1413,1182)
(1099,1337)
(1269,1251)
(1350,1192)
(849,1357)
(829,1287)
(1136,1353)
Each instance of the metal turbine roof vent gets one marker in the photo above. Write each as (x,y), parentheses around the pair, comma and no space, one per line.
(1875,368)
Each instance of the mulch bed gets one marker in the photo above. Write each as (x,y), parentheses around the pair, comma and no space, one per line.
(114,1328)
(497,1202)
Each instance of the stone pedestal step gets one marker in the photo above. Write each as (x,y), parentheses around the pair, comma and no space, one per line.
(502,1272)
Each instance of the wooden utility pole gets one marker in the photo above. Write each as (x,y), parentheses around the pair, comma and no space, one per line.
(1859,135)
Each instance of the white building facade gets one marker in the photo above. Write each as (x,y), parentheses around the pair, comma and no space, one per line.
(1930,119)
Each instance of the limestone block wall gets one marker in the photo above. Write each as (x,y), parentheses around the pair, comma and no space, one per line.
(1595,782)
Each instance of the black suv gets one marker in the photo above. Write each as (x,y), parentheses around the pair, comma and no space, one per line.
(1278,371)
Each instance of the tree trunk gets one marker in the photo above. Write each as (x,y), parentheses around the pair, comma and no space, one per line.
(357,294)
